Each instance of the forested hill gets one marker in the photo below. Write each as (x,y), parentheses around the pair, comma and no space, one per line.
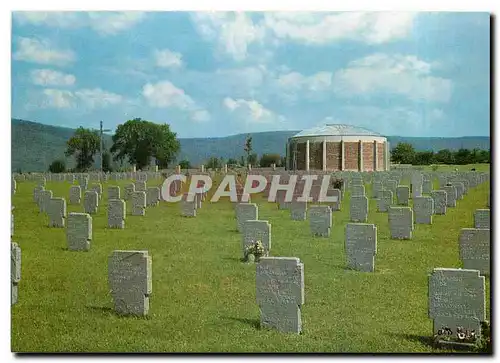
(35,145)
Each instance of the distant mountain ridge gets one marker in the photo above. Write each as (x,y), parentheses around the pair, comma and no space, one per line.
(35,145)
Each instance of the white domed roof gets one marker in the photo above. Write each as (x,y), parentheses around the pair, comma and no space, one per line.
(337,130)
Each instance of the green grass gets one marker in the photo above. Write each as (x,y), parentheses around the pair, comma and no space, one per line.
(203,297)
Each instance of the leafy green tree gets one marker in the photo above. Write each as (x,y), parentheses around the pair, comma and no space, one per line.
(484,156)
(106,162)
(403,153)
(424,158)
(213,163)
(57,166)
(444,156)
(267,159)
(84,144)
(242,160)
(248,148)
(185,164)
(253,159)
(232,161)
(140,140)
(463,156)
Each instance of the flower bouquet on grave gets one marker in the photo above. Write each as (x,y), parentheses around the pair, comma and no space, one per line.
(254,251)
(461,337)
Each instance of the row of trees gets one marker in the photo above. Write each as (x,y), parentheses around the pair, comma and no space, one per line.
(265,161)
(405,153)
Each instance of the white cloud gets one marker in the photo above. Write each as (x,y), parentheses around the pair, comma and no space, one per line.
(200,116)
(233,32)
(251,111)
(42,51)
(102,22)
(83,98)
(392,74)
(323,28)
(167,59)
(48,77)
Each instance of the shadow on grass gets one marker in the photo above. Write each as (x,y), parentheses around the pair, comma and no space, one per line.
(108,311)
(425,340)
(252,322)
(237,259)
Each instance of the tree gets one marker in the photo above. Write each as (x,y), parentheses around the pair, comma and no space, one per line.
(106,162)
(84,144)
(185,164)
(213,163)
(463,156)
(252,159)
(140,140)
(424,158)
(232,161)
(444,156)
(267,159)
(403,153)
(248,147)
(57,166)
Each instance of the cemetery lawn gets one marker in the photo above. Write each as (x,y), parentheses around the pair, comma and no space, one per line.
(203,297)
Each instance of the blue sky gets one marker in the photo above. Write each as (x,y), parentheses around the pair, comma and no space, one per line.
(218,74)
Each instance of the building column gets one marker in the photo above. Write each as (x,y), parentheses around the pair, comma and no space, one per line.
(294,158)
(324,155)
(342,151)
(387,156)
(360,162)
(307,155)
(375,156)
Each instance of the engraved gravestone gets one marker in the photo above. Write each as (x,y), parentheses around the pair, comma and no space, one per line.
(57,212)
(460,189)
(482,218)
(188,205)
(384,201)
(427,186)
(423,208)
(474,244)
(280,293)
(451,195)
(298,210)
(113,192)
(129,190)
(139,203)
(254,231)
(91,202)
(45,197)
(359,209)
(402,195)
(79,231)
(376,189)
(456,299)
(75,194)
(358,191)
(140,186)
(440,201)
(401,222)
(130,281)
(320,220)
(15,271)
(391,185)
(37,193)
(361,246)
(116,213)
(153,196)
(334,193)
(246,212)
(98,189)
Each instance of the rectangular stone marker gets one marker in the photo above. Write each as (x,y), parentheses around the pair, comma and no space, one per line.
(335,206)
(153,197)
(139,203)
(298,210)
(361,246)
(427,186)
(13,186)
(140,186)
(482,218)
(403,194)
(57,212)
(359,209)
(280,293)
(423,207)
(451,195)
(37,194)
(113,192)
(188,205)
(130,281)
(440,201)
(116,213)
(391,185)
(320,220)
(91,202)
(97,188)
(456,299)
(475,249)
(460,189)
(45,197)
(198,198)
(246,212)
(79,231)
(384,201)
(376,189)
(84,183)
(15,271)
(129,190)
(254,231)
(358,191)
(75,194)
(401,222)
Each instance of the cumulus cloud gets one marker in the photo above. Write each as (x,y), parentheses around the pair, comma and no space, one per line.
(251,111)
(83,98)
(392,74)
(167,59)
(42,51)
(49,77)
(165,94)
(103,22)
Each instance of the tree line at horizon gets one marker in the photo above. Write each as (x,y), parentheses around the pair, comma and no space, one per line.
(138,141)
